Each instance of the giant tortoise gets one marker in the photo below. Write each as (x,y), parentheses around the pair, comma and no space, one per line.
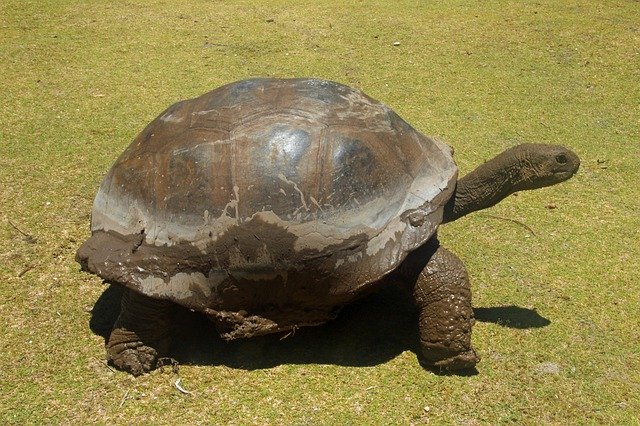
(269,204)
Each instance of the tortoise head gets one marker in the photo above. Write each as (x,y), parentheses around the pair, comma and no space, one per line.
(523,167)
(538,165)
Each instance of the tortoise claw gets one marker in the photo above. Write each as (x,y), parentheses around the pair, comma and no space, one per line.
(135,362)
(133,357)
(462,361)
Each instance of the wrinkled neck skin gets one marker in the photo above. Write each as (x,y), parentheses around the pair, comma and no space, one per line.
(527,166)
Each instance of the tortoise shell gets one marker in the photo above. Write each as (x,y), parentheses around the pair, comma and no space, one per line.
(268,203)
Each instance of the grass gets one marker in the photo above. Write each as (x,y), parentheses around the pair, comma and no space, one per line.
(558,329)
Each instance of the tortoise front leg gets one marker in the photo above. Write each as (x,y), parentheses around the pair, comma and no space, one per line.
(443,296)
(141,333)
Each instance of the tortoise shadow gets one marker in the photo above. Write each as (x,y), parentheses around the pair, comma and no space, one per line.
(368,332)
(511,316)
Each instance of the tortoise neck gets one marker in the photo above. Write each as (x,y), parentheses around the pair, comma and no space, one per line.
(477,191)
(491,182)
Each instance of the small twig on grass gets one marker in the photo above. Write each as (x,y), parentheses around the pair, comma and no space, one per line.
(517,222)
(362,392)
(25,270)
(106,364)
(178,386)
(291,333)
(28,238)
(124,398)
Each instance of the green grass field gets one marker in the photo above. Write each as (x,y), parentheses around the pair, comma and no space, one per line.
(558,311)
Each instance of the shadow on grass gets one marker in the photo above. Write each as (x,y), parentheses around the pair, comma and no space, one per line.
(369,332)
(511,316)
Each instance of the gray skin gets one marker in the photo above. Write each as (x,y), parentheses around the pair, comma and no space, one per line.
(437,278)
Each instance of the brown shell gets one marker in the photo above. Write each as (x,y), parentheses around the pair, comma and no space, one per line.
(268,203)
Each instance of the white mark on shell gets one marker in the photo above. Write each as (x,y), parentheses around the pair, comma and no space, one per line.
(180,286)
(169,117)
(315,240)
(232,204)
(314,201)
(295,187)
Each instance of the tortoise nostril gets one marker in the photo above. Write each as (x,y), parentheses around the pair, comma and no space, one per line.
(561,158)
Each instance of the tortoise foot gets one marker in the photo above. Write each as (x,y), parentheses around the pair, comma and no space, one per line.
(461,361)
(140,335)
(128,353)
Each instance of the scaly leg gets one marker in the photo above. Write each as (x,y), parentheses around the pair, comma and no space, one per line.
(141,333)
(443,296)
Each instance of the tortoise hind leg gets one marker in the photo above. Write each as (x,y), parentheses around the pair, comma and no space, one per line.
(141,333)
(443,296)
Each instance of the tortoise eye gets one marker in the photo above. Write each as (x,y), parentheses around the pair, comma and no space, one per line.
(561,158)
